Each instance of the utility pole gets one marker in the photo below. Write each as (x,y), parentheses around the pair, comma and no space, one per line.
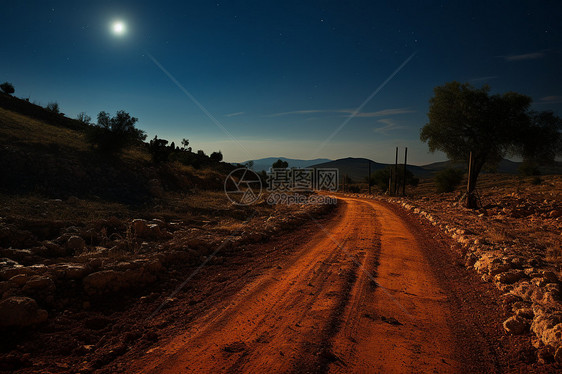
(404,175)
(369,177)
(469,198)
(395,173)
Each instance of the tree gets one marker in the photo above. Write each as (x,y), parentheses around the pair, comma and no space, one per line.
(112,134)
(185,144)
(159,150)
(464,119)
(7,88)
(216,156)
(53,107)
(83,118)
(280,164)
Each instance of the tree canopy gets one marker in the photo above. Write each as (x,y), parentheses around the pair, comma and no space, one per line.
(464,119)
(112,134)
(7,88)
(280,164)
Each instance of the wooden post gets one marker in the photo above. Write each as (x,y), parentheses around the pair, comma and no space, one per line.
(469,186)
(395,172)
(404,175)
(369,177)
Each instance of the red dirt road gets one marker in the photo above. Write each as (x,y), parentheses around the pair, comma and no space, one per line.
(368,292)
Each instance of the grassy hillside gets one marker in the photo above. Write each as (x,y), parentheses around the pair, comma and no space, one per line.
(47,154)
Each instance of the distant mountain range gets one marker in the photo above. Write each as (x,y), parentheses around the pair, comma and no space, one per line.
(357,168)
(265,163)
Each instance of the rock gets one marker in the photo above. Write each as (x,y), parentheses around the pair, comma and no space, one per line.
(75,271)
(549,276)
(159,222)
(140,227)
(531,272)
(75,243)
(528,291)
(95,263)
(544,322)
(20,279)
(19,311)
(491,263)
(526,313)
(509,277)
(555,213)
(553,336)
(103,281)
(10,272)
(54,250)
(39,284)
(154,266)
(515,325)
(545,354)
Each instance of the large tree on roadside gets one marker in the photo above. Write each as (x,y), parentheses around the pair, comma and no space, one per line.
(464,119)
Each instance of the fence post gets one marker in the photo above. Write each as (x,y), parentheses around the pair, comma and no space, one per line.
(369,177)
(395,173)
(404,178)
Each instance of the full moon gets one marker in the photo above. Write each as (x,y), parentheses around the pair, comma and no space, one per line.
(118,28)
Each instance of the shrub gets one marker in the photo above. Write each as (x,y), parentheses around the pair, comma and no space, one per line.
(448,179)
(159,150)
(216,156)
(83,118)
(53,107)
(7,88)
(112,134)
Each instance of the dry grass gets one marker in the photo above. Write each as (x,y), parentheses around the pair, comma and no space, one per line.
(18,129)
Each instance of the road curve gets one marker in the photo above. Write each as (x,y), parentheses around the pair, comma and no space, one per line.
(360,295)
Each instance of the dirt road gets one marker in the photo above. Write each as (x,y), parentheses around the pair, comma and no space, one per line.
(366,293)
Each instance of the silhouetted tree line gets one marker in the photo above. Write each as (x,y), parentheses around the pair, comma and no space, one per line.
(112,134)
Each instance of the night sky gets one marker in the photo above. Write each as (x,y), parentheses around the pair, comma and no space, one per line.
(264,79)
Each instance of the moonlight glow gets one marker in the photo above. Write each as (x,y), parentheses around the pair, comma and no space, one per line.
(118,28)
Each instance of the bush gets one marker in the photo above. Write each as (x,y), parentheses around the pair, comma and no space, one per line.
(159,150)
(216,156)
(112,134)
(83,118)
(448,179)
(53,107)
(7,88)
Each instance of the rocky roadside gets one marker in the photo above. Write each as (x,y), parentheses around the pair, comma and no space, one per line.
(50,271)
(514,242)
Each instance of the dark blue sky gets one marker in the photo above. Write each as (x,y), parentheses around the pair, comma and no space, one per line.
(279,78)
